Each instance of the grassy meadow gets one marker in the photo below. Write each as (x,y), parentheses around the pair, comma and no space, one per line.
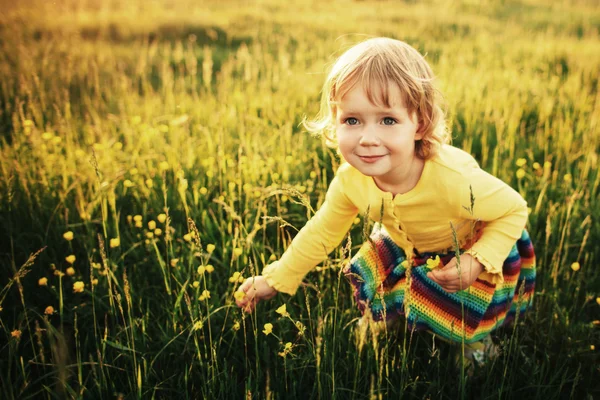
(152,157)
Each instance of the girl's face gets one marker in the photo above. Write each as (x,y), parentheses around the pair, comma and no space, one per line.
(377,140)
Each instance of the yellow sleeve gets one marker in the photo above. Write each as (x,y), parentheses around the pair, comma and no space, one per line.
(321,234)
(504,212)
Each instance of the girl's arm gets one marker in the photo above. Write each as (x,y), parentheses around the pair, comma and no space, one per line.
(321,234)
(504,212)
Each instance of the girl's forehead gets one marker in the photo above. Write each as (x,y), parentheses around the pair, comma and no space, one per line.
(386,94)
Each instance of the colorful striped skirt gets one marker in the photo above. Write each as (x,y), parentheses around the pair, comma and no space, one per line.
(378,274)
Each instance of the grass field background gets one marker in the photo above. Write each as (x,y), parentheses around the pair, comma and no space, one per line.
(152,155)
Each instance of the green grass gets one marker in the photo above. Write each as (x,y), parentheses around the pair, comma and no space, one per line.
(193,110)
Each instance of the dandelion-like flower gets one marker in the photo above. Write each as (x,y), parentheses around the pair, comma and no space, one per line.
(163,166)
(115,242)
(433,263)
(205,294)
(78,287)
(201,270)
(43,281)
(238,251)
(68,235)
(203,190)
(198,325)
(161,218)
(575,266)
(187,237)
(49,310)
(209,268)
(520,162)
(16,334)
(210,248)
(151,225)
(196,284)
(239,295)
(158,232)
(268,328)
(70,259)
(282,311)
(287,349)
(520,173)
(174,262)
(137,218)
(236,277)
(70,271)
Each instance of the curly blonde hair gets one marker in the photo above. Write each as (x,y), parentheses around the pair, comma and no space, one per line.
(375,63)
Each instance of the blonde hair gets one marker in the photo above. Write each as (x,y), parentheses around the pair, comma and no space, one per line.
(375,63)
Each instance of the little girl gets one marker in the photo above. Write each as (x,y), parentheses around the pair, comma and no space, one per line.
(381,110)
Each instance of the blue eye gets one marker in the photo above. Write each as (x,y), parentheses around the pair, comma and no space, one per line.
(351,121)
(389,121)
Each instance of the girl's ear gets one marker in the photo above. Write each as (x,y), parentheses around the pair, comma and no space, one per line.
(420,130)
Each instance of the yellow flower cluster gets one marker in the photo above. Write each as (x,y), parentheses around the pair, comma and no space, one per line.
(205,268)
(236,277)
(205,295)
(287,349)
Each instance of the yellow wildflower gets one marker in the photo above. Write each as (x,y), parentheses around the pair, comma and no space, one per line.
(127,183)
(568,178)
(43,281)
(236,326)
(238,251)
(96,265)
(196,284)
(282,311)
(133,171)
(592,347)
(198,325)
(138,224)
(575,266)
(284,198)
(70,259)
(210,248)
(272,257)
(161,218)
(47,135)
(235,277)
(58,273)
(78,287)
(163,166)
(115,242)
(520,173)
(203,190)
(433,262)
(137,218)
(209,268)
(206,294)
(16,334)
(68,235)
(158,232)
(70,271)
(151,225)
(174,262)
(94,281)
(598,300)
(187,237)
(149,182)
(239,295)
(49,310)
(521,162)
(536,165)
(268,328)
(201,269)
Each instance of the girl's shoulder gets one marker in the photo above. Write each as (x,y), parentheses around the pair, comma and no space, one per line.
(453,161)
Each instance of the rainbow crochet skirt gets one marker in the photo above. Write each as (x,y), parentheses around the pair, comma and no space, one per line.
(384,285)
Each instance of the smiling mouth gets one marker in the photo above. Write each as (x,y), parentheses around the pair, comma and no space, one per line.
(371,159)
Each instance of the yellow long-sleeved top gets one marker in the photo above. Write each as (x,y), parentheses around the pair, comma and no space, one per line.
(419,219)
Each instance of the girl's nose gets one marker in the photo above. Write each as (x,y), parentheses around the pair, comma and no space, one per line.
(369,138)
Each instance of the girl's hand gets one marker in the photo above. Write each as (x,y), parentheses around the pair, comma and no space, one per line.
(449,278)
(256,289)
